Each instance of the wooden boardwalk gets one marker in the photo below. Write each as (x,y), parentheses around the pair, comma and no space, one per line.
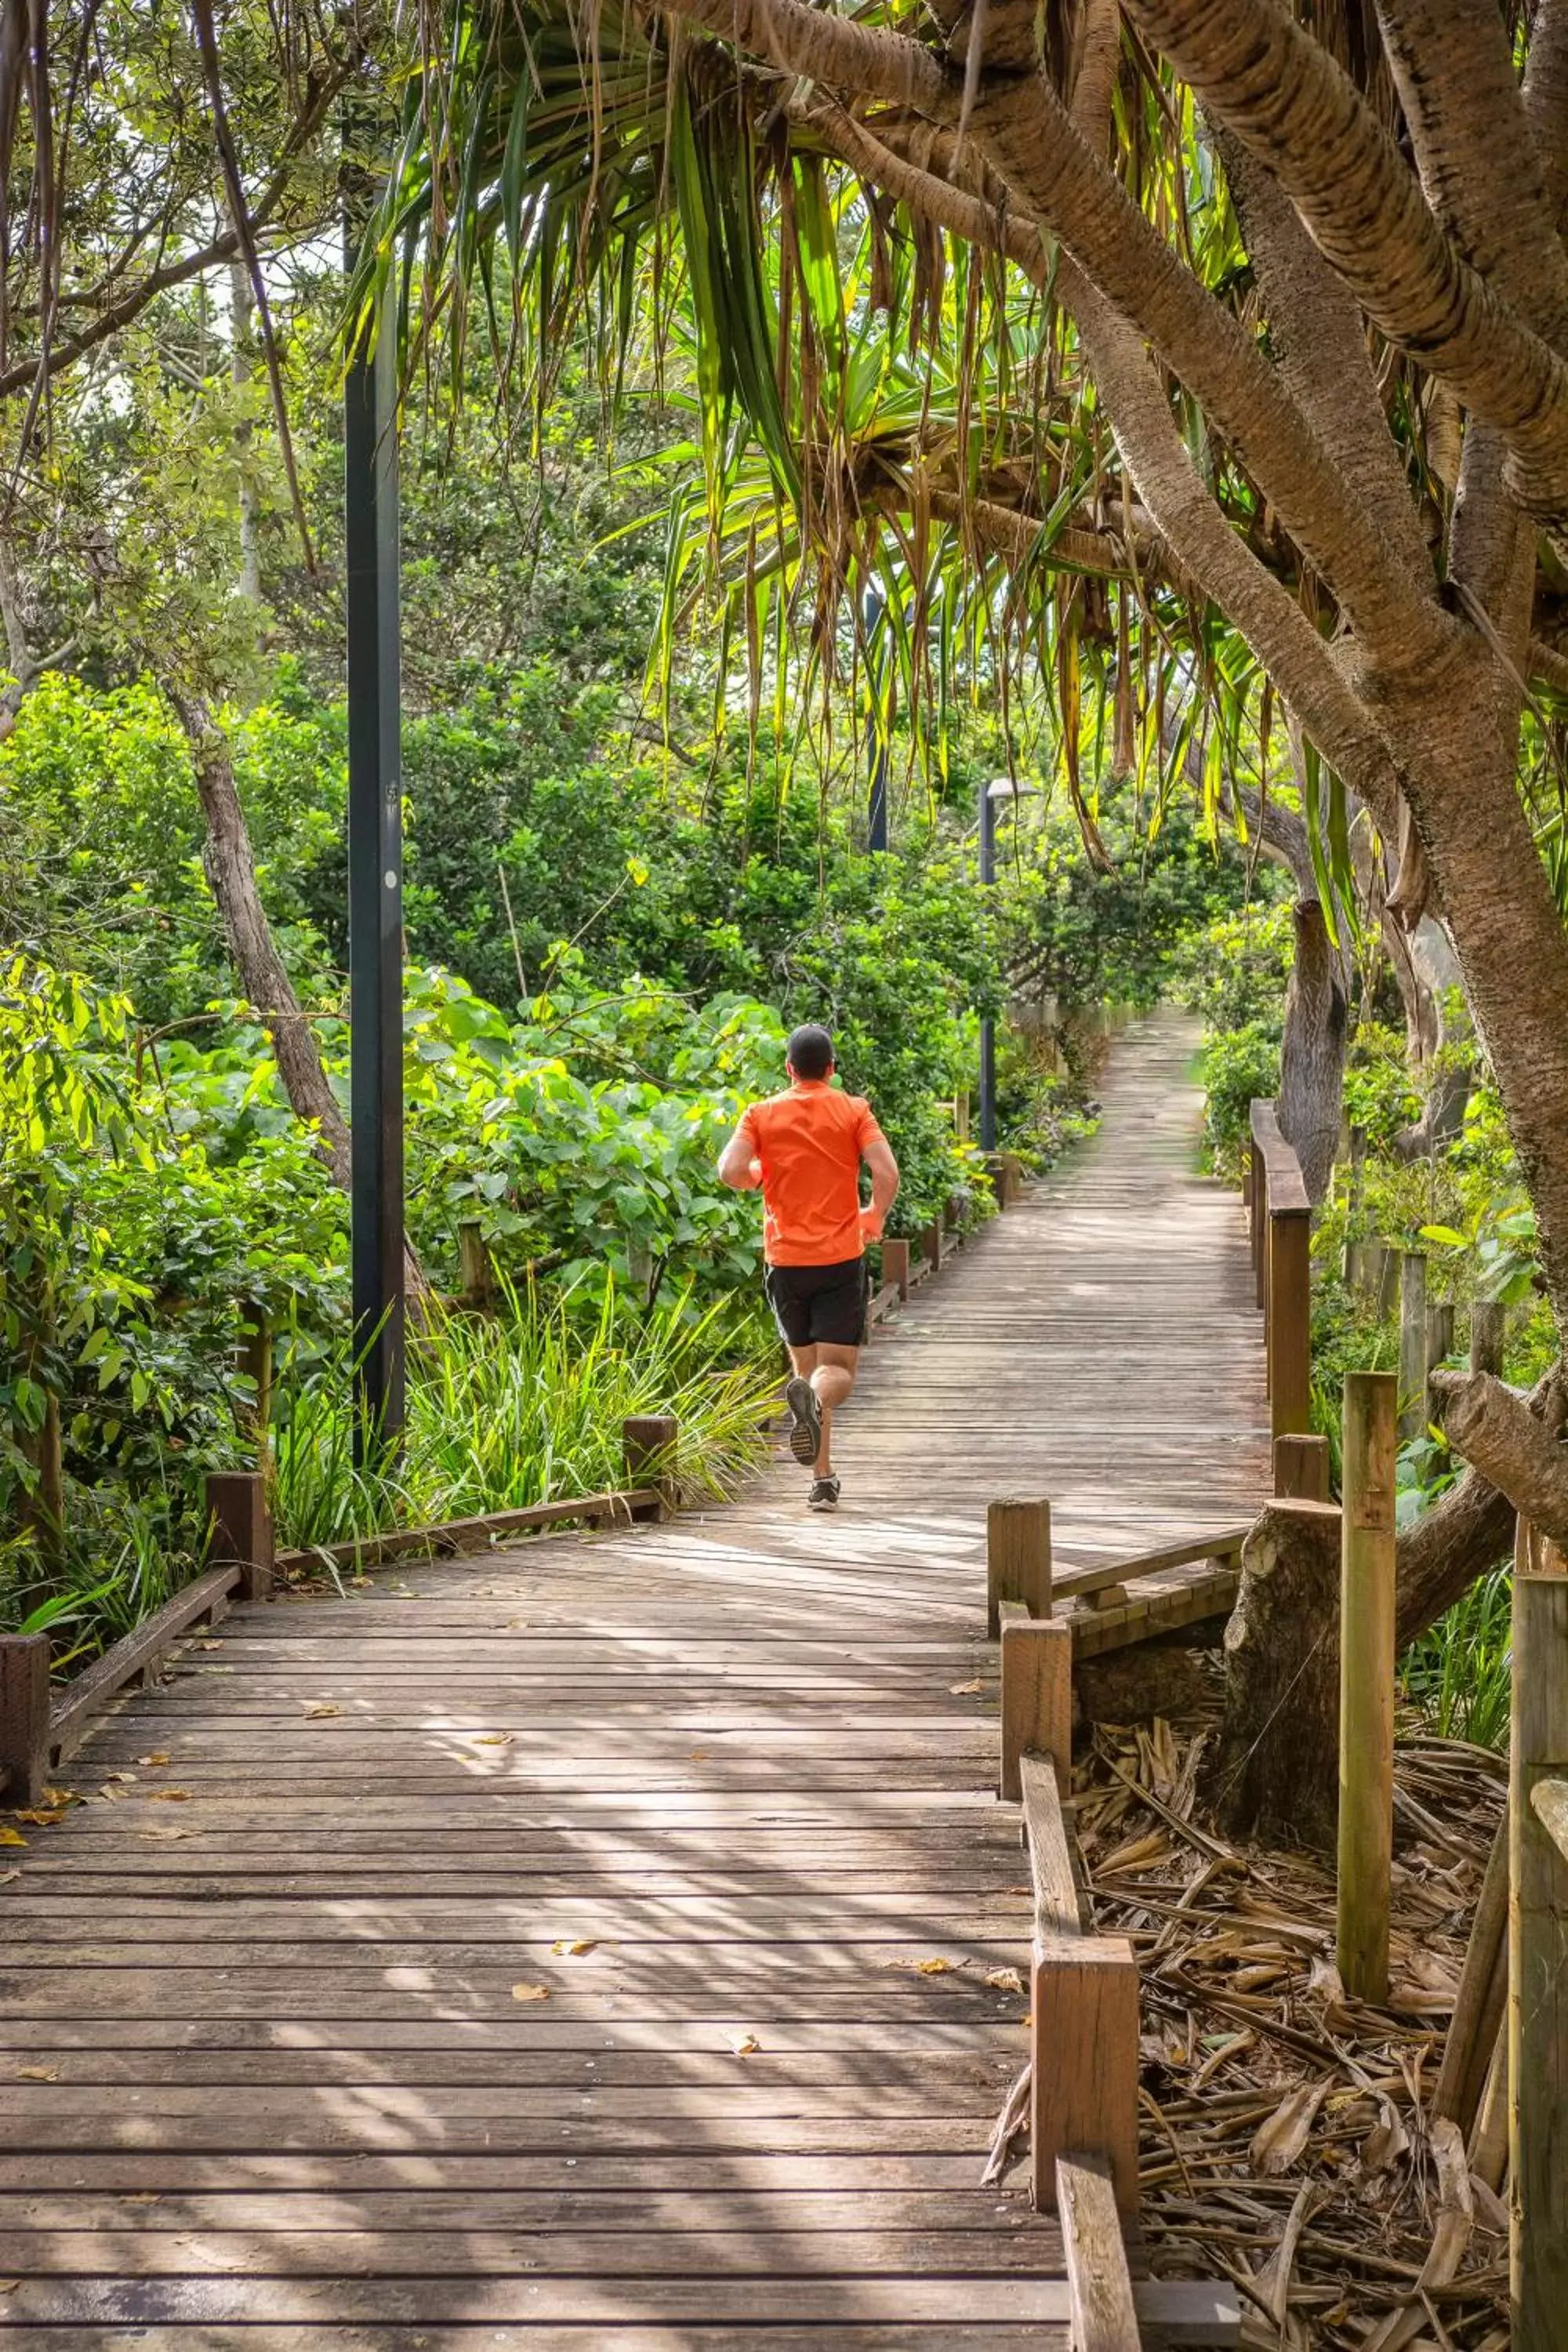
(605,1943)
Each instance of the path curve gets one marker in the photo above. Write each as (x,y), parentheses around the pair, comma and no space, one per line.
(305,2056)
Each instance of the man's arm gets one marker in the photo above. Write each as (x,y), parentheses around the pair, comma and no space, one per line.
(879,1158)
(739,1166)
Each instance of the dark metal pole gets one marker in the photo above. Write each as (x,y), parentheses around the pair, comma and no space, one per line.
(876,813)
(987,1027)
(375,888)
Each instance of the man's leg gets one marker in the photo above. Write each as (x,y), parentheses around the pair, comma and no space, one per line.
(833,1379)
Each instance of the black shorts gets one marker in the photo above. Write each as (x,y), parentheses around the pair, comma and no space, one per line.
(817,1305)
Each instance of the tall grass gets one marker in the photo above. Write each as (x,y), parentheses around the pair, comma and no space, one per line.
(526,1406)
(1459,1673)
(523,1406)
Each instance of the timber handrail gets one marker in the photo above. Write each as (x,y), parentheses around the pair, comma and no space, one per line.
(39,1728)
(1281,1235)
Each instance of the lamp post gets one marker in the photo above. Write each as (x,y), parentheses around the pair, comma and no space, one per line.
(375,875)
(877,806)
(999,788)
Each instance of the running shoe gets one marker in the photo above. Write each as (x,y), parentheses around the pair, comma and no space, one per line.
(823,1495)
(805,1437)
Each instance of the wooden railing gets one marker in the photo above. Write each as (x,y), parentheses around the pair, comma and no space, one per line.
(1084,2047)
(41,1728)
(1281,1228)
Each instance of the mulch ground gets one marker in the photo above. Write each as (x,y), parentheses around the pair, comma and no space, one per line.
(1289,2142)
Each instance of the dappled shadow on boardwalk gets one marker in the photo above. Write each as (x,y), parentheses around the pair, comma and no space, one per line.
(608,1936)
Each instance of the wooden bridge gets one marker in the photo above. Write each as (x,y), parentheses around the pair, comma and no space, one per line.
(619,1942)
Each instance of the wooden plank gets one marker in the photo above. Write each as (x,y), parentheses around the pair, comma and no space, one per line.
(1225,1543)
(1017,1557)
(1538,1969)
(24,1716)
(1084,2086)
(1282,1170)
(1188,2314)
(1104,2317)
(1059,1902)
(1037,1699)
(1482,1997)
(451,1537)
(1366,1685)
(145,1647)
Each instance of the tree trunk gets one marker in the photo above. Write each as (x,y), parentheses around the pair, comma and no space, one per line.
(1276,1770)
(1312,1059)
(231,870)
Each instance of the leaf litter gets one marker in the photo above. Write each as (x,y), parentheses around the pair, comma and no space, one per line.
(1287,2137)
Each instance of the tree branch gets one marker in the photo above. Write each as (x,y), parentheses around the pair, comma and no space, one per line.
(1512,1446)
(1297,111)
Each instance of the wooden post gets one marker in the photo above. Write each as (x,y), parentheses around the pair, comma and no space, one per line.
(1488,1319)
(1017,1559)
(1301,1469)
(24,1716)
(1386,1264)
(1481,1999)
(240,1528)
(474,1259)
(896,1266)
(1349,1267)
(930,1242)
(1036,1701)
(1538,1970)
(647,1451)
(1412,1346)
(1258,1199)
(1439,1337)
(1011,1177)
(1366,1685)
(1084,2051)
(1290,1321)
(961,1114)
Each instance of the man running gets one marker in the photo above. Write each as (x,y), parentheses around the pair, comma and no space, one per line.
(804,1149)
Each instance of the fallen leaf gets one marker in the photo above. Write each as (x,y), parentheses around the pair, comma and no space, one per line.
(67,1796)
(110,1791)
(7,1875)
(1277,2144)
(529,1992)
(962,1690)
(42,1817)
(156,1830)
(492,1739)
(574,1946)
(1004,1980)
(11,1837)
(142,2197)
(9,2286)
(37,2074)
(699,1756)
(168,1796)
(1386,2142)
(935,1968)
(743,2044)
(157,1757)
(322,1707)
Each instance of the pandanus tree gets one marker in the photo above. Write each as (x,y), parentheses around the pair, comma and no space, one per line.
(1206,341)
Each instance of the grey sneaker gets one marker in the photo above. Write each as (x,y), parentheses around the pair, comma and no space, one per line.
(805,1437)
(823,1495)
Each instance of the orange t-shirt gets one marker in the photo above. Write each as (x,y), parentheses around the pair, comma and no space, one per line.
(809,1140)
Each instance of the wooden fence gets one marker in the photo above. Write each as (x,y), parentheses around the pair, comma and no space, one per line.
(41,1728)
(1084,2047)
(1281,1227)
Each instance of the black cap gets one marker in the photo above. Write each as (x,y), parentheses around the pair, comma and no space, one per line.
(810,1051)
